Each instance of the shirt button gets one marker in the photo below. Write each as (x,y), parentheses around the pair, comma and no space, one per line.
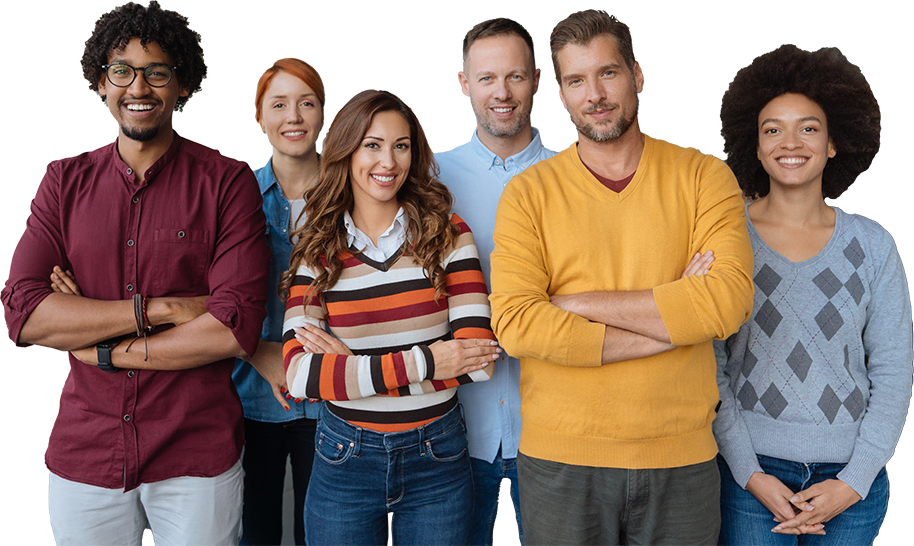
(131,373)
(127,417)
(129,288)
(283,230)
(502,402)
(136,199)
(130,242)
(129,170)
(181,234)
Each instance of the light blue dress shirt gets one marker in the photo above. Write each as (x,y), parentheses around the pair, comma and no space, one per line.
(476,177)
(256,394)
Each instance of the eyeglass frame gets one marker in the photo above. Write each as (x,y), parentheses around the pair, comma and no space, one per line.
(137,70)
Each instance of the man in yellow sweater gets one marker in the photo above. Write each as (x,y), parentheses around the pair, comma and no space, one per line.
(591,291)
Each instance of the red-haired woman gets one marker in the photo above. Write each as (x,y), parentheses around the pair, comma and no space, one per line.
(383,265)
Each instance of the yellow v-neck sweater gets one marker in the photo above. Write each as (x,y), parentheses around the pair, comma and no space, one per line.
(560,231)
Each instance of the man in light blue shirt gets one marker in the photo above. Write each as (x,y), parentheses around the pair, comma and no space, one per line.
(500,77)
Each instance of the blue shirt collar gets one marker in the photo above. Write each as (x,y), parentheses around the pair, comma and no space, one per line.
(266,178)
(526,157)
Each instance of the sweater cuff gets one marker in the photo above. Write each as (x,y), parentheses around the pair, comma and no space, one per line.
(429,360)
(743,464)
(861,470)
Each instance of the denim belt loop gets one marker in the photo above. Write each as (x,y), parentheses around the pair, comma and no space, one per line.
(422,448)
(356,441)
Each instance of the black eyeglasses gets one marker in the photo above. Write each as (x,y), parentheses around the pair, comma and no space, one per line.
(122,74)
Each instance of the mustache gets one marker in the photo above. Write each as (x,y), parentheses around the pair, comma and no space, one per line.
(123,100)
(601,106)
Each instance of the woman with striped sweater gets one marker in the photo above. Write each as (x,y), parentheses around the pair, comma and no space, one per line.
(393,277)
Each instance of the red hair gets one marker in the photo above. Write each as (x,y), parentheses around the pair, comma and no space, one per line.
(300,69)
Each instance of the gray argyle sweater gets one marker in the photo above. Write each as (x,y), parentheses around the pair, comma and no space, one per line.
(822,370)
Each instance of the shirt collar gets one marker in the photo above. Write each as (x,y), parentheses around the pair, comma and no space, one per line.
(357,238)
(156,167)
(525,157)
(267,178)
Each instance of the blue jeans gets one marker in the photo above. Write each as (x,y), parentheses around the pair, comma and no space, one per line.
(422,476)
(745,520)
(487,479)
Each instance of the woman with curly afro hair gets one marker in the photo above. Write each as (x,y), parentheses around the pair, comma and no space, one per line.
(815,386)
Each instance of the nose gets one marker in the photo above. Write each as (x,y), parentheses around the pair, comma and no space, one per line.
(595,91)
(138,87)
(791,141)
(294,115)
(387,158)
(502,91)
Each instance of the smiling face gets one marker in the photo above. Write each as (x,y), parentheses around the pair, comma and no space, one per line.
(793,143)
(500,79)
(380,165)
(143,112)
(598,90)
(291,116)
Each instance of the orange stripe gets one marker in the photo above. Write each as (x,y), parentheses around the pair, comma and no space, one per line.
(469,276)
(326,383)
(391,427)
(380,304)
(473,333)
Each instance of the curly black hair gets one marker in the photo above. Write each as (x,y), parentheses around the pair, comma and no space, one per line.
(827,78)
(169,29)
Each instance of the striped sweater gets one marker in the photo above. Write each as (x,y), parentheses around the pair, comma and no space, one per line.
(387,314)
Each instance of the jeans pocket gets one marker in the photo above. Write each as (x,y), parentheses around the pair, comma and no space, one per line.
(331,447)
(447,447)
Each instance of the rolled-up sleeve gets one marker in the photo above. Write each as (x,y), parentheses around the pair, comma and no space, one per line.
(239,272)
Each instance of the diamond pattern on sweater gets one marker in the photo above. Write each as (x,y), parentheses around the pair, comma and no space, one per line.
(749,364)
(854,253)
(829,320)
(747,396)
(768,317)
(829,403)
(854,403)
(855,286)
(799,361)
(828,283)
(767,280)
(773,401)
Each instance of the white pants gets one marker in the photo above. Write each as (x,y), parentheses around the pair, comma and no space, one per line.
(179,511)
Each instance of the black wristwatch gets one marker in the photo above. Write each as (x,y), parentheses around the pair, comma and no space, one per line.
(104,355)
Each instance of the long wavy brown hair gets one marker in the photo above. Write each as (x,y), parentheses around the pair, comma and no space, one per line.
(426,202)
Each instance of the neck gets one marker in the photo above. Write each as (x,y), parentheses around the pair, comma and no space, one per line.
(614,159)
(374,220)
(796,206)
(140,156)
(295,174)
(506,146)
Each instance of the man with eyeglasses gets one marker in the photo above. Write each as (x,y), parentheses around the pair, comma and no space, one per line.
(146,260)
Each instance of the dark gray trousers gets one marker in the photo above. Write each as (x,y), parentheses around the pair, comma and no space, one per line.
(567,504)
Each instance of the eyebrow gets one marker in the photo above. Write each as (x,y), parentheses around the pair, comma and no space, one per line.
(283,96)
(367,137)
(778,120)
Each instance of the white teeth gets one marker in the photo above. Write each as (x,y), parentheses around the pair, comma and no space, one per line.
(792,160)
(294,133)
(140,107)
(502,110)
(383,178)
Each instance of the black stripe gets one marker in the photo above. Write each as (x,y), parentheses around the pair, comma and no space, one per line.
(429,361)
(465,264)
(377,374)
(313,388)
(471,322)
(393,417)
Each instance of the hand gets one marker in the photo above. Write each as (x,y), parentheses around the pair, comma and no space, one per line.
(316,340)
(457,357)
(267,360)
(64,282)
(700,264)
(819,504)
(775,496)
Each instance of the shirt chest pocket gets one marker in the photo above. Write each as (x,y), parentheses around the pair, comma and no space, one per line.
(181,257)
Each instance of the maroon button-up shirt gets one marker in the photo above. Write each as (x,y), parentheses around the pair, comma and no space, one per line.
(193,227)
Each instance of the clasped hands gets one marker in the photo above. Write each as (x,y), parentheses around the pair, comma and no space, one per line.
(805,512)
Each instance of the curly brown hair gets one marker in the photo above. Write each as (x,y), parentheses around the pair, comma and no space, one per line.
(426,201)
(169,29)
(825,77)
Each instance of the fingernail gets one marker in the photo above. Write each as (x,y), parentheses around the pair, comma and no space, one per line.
(282,389)
(297,400)
(287,408)
(794,499)
(809,507)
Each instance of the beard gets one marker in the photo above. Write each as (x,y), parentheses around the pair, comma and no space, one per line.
(602,133)
(140,134)
(502,128)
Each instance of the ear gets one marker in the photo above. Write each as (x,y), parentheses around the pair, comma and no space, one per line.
(464,83)
(184,92)
(103,86)
(832,151)
(536,80)
(639,77)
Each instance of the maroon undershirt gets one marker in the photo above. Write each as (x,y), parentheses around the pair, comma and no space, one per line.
(615,185)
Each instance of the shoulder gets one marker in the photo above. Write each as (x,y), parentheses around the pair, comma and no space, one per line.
(560,165)
(215,161)
(868,233)
(458,221)
(666,154)
(454,162)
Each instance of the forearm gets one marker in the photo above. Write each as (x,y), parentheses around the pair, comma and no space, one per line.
(634,311)
(267,352)
(619,345)
(66,322)
(193,344)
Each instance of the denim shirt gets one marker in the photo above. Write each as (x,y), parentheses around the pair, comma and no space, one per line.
(256,394)
(476,177)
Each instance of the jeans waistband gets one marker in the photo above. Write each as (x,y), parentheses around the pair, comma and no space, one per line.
(393,440)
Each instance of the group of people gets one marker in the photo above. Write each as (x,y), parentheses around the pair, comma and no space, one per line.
(688,351)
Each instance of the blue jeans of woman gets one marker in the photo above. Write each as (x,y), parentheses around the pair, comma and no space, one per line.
(745,520)
(359,476)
